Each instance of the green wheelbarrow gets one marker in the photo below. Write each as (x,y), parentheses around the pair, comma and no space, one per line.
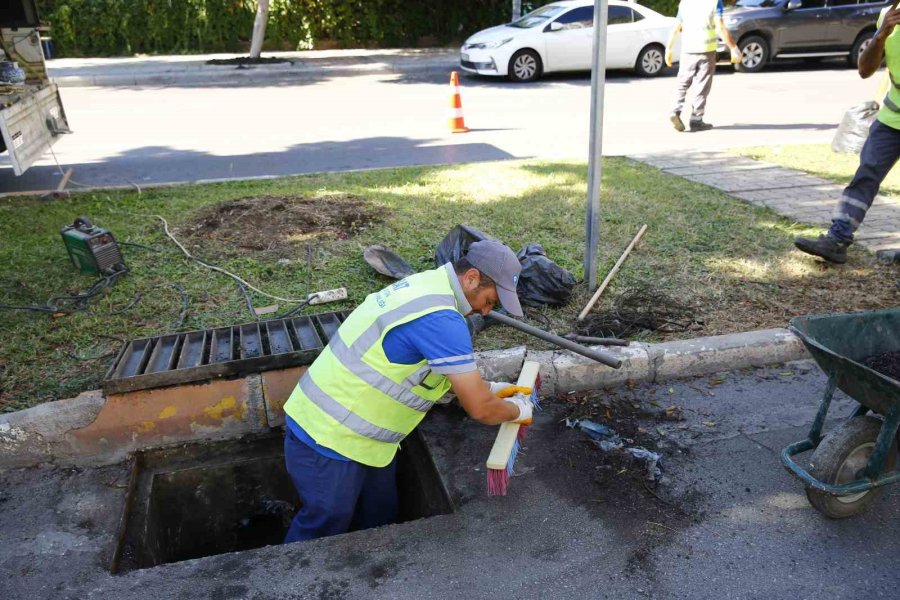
(851,464)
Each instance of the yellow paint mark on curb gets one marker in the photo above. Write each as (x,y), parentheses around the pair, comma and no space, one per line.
(168,412)
(217,412)
(146,426)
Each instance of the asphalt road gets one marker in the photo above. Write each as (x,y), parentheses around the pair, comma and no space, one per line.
(730,524)
(153,135)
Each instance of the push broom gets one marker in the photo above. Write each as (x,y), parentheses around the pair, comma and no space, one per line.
(506,447)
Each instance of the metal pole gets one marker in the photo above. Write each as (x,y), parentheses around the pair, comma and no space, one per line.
(600,356)
(516,9)
(595,154)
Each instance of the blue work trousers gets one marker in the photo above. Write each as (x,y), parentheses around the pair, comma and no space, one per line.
(337,496)
(878,156)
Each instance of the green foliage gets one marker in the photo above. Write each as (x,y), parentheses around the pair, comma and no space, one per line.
(124,27)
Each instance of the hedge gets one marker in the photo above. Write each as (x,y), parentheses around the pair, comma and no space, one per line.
(127,27)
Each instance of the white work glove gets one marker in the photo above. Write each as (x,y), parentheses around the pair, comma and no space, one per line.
(736,56)
(523,403)
(515,394)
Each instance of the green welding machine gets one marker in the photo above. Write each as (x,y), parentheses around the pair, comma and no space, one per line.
(93,249)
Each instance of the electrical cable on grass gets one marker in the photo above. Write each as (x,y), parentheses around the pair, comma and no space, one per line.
(248,301)
(62,171)
(206,264)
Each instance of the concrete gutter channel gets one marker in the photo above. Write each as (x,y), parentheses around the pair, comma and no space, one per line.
(64,511)
(91,429)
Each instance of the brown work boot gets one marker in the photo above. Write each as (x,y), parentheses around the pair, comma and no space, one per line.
(676,121)
(824,247)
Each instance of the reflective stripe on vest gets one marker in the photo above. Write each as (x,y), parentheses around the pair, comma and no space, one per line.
(339,413)
(353,399)
(400,392)
(351,359)
(891,104)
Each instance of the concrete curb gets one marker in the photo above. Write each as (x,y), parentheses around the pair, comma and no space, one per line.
(53,432)
(209,74)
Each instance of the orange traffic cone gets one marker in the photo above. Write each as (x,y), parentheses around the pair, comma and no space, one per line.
(457,123)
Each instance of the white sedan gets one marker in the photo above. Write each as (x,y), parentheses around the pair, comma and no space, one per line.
(559,37)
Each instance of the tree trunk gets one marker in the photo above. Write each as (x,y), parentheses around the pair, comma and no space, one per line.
(516,9)
(259,28)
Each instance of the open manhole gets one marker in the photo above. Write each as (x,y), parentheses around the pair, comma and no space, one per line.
(206,499)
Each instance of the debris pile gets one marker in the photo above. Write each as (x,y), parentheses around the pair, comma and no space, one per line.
(609,441)
(640,309)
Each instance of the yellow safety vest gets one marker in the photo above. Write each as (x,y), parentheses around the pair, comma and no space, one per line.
(890,107)
(353,399)
(698,26)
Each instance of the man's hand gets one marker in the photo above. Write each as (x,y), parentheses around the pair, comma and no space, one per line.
(523,403)
(870,59)
(670,60)
(891,19)
(478,401)
(735,55)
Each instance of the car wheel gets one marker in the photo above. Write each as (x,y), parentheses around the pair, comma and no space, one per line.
(754,54)
(524,66)
(650,61)
(859,46)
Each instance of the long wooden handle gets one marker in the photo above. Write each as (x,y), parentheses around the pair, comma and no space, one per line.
(506,437)
(609,277)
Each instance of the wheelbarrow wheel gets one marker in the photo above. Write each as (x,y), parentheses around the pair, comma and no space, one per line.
(841,458)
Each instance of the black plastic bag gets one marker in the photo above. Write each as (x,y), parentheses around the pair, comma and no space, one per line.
(456,243)
(542,282)
(854,128)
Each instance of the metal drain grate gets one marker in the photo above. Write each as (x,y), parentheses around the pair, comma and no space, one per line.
(194,356)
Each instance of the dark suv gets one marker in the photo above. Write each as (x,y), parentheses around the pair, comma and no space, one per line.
(811,29)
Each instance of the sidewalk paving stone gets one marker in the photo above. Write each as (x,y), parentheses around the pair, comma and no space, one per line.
(792,194)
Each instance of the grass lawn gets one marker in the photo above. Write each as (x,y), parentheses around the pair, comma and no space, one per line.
(821,161)
(735,263)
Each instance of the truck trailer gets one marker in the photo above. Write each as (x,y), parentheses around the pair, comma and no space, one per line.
(32,117)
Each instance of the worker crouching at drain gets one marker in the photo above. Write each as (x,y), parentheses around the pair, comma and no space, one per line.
(392,359)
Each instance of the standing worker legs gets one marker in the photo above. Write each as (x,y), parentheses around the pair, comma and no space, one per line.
(878,156)
(687,70)
(705,69)
(336,495)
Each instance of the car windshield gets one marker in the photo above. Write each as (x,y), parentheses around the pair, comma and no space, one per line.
(538,17)
(756,3)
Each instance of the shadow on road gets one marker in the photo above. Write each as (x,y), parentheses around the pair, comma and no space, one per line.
(162,164)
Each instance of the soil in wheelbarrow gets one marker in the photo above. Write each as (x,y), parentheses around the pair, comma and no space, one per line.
(886,364)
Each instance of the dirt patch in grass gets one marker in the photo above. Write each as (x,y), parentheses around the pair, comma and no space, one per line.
(277,225)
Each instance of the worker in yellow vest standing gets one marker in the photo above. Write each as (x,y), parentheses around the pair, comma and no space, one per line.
(880,152)
(697,21)
(391,360)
